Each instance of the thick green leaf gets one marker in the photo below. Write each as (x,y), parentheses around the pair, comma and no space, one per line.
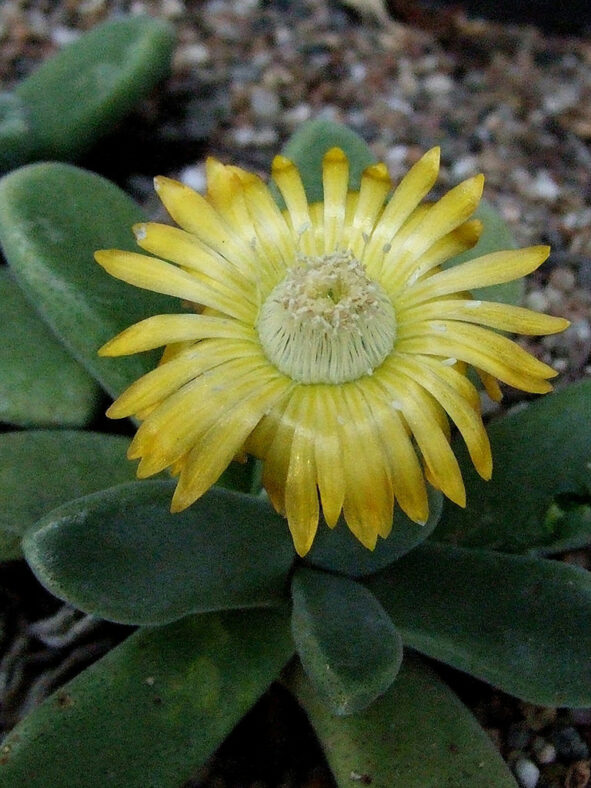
(152,711)
(520,623)
(40,470)
(40,383)
(339,551)
(52,218)
(76,96)
(539,452)
(122,555)
(495,237)
(570,524)
(309,144)
(17,144)
(417,735)
(347,644)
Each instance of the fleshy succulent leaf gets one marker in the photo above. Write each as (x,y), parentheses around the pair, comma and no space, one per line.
(337,550)
(42,469)
(517,622)
(349,647)
(154,709)
(541,452)
(120,554)
(77,95)
(52,218)
(40,383)
(418,734)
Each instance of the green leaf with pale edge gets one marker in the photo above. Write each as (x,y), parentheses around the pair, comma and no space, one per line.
(153,710)
(496,237)
(52,218)
(40,383)
(120,554)
(76,96)
(309,144)
(348,646)
(339,551)
(42,469)
(540,451)
(517,622)
(417,735)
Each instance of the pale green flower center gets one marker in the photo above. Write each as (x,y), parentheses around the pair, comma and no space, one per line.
(326,321)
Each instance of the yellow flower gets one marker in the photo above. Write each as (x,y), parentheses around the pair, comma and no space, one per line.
(327,342)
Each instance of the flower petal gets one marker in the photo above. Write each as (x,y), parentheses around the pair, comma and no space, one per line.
(150,273)
(195,214)
(369,499)
(161,330)
(301,496)
(503,317)
(408,481)
(415,405)
(163,381)
(375,185)
(442,218)
(328,455)
(288,180)
(407,195)
(460,411)
(491,269)
(454,335)
(335,182)
(216,448)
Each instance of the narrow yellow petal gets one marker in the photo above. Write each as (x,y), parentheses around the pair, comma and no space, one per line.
(195,214)
(176,426)
(167,378)
(368,507)
(224,192)
(288,180)
(375,185)
(466,418)
(216,448)
(503,317)
(491,269)
(474,336)
(491,385)
(453,373)
(186,250)
(407,195)
(408,481)
(166,329)
(446,215)
(150,273)
(413,403)
(272,229)
(502,368)
(335,182)
(455,242)
(328,455)
(301,497)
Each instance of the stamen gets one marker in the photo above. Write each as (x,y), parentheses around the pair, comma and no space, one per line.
(327,322)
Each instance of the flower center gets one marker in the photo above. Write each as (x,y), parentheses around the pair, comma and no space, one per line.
(326,322)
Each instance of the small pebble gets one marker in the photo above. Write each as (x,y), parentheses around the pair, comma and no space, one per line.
(526,772)
(264,103)
(570,745)
(544,751)
(518,736)
(563,279)
(438,84)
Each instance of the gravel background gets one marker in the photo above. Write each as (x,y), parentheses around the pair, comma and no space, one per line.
(511,101)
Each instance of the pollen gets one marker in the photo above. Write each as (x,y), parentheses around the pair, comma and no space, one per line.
(326,321)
